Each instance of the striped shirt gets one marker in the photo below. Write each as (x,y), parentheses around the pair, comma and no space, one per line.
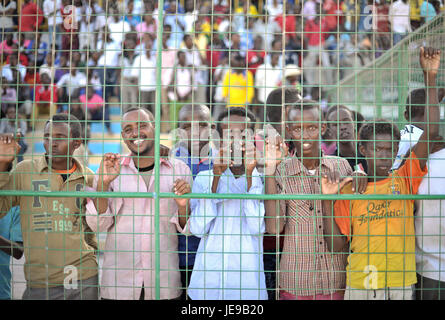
(307,266)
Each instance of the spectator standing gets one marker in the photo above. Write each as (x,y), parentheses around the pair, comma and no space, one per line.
(238,84)
(51,10)
(144,69)
(7,9)
(399,18)
(31,17)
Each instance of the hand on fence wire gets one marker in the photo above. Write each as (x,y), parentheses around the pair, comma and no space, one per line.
(276,151)
(359,181)
(331,182)
(9,147)
(109,168)
(180,188)
(223,161)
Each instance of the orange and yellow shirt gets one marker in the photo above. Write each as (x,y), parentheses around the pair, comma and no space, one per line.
(381,232)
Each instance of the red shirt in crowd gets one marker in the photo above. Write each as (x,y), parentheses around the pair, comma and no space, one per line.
(315,32)
(43,95)
(289,24)
(31,17)
(382,18)
(255,59)
(23,59)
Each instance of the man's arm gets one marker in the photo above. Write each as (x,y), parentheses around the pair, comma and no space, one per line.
(108,171)
(14,249)
(9,148)
(275,210)
(331,184)
(430,62)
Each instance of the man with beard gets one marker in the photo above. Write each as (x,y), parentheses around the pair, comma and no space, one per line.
(129,259)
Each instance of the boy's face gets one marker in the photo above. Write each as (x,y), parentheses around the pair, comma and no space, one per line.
(58,141)
(11,113)
(380,154)
(138,132)
(234,134)
(197,127)
(305,129)
(341,124)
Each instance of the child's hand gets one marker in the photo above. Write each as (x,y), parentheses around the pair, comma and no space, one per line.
(275,153)
(430,60)
(359,182)
(222,162)
(249,158)
(181,187)
(331,184)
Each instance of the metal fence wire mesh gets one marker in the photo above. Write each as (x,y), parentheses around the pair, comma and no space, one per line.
(222,150)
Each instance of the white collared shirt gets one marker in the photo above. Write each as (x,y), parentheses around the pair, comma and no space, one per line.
(229,261)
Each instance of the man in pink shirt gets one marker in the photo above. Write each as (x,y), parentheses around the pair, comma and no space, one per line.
(128,269)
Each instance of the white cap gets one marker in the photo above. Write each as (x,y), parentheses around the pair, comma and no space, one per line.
(291,70)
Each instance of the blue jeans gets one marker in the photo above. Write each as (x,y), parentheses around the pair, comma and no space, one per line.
(397,37)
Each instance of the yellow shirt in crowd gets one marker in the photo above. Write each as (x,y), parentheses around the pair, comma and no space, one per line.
(238,88)
(381,232)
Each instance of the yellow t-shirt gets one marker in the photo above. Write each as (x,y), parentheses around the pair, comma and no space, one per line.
(238,88)
(382,231)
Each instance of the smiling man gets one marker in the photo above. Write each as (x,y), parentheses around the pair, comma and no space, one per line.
(58,245)
(128,271)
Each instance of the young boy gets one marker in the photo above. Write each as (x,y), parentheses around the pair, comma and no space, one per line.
(58,246)
(343,127)
(195,151)
(381,232)
(308,271)
(276,103)
(229,264)
(129,260)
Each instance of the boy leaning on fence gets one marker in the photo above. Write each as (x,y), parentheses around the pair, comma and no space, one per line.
(308,271)
(194,149)
(380,233)
(229,264)
(128,269)
(60,262)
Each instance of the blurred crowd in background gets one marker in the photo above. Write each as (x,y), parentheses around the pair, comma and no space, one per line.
(81,56)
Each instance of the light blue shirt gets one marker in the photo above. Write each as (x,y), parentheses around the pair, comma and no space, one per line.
(229,261)
(427,11)
(10,229)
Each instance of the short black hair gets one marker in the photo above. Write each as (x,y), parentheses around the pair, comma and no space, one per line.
(236,111)
(305,104)
(150,115)
(71,120)
(370,130)
(337,108)
(193,108)
(415,103)
(275,100)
